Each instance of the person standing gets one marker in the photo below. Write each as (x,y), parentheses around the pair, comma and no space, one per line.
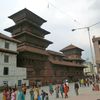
(24,88)
(20,94)
(46,96)
(61,89)
(66,89)
(36,92)
(76,87)
(82,82)
(43,94)
(51,88)
(31,94)
(4,94)
(13,94)
(8,94)
(57,91)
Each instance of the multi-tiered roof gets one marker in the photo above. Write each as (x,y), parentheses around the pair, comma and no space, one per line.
(28,29)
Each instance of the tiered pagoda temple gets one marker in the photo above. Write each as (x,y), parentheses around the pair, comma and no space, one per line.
(42,65)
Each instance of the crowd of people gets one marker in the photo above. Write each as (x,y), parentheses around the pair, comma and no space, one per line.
(61,90)
(14,93)
(85,82)
(19,93)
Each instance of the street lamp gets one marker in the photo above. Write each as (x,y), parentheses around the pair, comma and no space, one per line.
(88,29)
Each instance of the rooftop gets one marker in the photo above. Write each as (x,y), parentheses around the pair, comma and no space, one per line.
(2,36)
(27,14)
(70,47)
(55,53)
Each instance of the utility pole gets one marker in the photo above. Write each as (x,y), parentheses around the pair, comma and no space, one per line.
(89,35)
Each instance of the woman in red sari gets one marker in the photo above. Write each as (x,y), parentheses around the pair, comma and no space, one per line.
(66,89)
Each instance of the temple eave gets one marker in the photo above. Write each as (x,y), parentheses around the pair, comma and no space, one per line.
(67,64)
(32,50)
(28,33)
(10,29)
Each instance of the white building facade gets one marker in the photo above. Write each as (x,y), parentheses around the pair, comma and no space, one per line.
(9,72)
(89,68)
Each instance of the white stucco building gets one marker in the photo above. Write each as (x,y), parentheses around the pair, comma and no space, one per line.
(89,68)
(9,72)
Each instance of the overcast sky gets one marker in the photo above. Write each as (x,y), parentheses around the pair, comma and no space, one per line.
(62,16)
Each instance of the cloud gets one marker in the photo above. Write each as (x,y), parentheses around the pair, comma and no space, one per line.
(95,5)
